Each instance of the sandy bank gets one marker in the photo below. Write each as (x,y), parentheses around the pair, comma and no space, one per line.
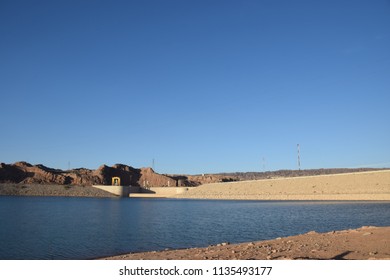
(373,185)
(358,244)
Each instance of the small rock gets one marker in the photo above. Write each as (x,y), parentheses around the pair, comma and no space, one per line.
(278,238)
(373,253)
(365,227)
(225,243)
(367,233)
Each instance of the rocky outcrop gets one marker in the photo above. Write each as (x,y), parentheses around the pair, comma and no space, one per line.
(143,177)
(25,173)
(149,179)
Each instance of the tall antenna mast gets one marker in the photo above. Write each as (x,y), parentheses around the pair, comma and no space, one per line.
(153,164)
(299,158)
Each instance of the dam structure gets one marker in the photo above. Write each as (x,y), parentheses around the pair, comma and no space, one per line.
(134,191)
(116,188)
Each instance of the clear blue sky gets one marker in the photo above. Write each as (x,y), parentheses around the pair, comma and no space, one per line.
(200,86)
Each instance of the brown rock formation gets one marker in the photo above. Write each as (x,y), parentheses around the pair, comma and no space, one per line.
(149,179)
(25,173)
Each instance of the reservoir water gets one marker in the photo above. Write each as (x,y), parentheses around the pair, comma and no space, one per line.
(84,228)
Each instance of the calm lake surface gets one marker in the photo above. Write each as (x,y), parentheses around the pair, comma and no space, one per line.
(84,228)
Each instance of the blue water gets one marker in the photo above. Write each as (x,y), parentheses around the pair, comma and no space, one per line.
(84,228)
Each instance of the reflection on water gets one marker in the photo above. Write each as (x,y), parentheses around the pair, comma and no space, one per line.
(82,228)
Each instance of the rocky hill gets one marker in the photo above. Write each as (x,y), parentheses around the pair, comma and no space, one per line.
(25,173)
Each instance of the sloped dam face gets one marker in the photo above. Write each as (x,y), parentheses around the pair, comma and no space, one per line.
(125,191)
(122,191)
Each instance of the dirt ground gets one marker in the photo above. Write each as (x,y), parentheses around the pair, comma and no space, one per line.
(366,243)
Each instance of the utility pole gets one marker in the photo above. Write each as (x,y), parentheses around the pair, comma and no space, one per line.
(153,164)
(299,157)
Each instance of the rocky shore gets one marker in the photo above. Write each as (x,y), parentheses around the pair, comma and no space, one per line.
(366,243)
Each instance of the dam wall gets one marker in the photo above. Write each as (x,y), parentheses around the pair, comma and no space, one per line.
(126,191)
(122,191)
(157,191)
(167,190)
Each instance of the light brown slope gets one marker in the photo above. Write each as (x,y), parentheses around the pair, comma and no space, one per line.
(373,185)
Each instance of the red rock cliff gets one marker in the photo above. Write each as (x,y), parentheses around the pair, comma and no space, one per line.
(25,173)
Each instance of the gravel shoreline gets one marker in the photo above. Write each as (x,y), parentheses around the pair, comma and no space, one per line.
(366,243)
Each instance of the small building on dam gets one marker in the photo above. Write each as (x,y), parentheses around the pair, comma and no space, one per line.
(124,191)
